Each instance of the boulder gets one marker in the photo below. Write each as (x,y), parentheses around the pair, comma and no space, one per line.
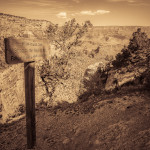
(93,80)
(120,77)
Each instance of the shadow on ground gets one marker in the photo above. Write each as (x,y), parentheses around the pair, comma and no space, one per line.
(110,121)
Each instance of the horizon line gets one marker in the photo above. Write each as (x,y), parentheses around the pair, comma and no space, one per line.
(17,16)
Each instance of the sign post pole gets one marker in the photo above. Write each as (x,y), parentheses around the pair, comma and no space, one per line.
(29,72)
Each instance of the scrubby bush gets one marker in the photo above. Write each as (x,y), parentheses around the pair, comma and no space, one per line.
(64,38)
(122,58)
(138,41)
(52,71)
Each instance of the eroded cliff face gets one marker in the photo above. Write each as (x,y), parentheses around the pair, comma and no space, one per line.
(12,90)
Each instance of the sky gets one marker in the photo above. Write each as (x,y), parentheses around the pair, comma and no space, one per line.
(99,12)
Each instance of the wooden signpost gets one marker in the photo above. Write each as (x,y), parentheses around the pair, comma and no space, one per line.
(24,50)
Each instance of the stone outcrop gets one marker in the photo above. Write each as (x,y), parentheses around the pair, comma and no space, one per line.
(94,80)
(116,78)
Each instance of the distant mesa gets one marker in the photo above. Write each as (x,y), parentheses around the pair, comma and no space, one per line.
(9,15)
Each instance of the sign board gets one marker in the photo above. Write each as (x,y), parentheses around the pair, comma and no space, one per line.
(19,50)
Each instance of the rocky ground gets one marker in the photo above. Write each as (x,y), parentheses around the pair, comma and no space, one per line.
(118,121)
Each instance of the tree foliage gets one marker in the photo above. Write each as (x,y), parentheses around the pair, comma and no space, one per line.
(68,35)
(138,42)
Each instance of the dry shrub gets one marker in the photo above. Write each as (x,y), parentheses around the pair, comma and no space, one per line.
(64,38)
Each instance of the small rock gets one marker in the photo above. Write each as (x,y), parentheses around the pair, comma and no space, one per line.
(125,98)
(46,100)
(66,140)
(97,142)
(78,131)
(129,107)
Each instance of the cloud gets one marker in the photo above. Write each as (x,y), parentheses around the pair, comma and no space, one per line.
(38,2)
(76,1)
(102,12)
(52,4)
(62,15)
(98,12)
(130,1)
(87,13)
(133,2)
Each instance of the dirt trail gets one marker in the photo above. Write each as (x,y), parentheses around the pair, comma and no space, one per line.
(116,122)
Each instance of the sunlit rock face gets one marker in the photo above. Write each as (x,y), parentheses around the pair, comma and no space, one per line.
(12,91)
(65,91)
(118,78)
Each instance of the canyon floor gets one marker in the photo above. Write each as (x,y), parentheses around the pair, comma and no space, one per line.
(118,121)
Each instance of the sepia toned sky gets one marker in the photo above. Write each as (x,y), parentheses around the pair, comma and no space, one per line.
(99,12)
